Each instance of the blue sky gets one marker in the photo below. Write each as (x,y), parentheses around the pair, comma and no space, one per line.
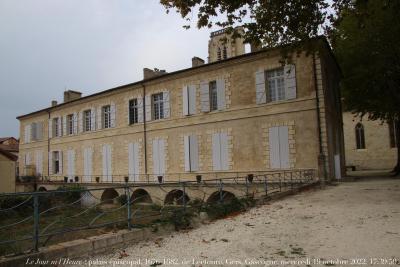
(47,46)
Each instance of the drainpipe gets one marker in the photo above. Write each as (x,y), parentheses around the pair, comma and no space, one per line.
(321,156)
(48,146)
(144,130)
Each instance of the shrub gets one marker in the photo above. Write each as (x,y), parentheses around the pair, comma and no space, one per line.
(220,210)
(122,199)
(72,194)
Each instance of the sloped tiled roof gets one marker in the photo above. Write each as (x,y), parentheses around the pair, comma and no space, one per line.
(8,155)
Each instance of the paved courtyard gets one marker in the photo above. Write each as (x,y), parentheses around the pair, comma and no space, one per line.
(348,224)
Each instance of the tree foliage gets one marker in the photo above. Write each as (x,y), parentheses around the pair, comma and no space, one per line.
(367,46)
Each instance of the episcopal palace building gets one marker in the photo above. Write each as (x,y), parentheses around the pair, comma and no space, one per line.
(238,113)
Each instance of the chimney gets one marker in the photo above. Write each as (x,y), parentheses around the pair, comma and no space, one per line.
(148,73)
(53,103)
(71,95)
(196,61)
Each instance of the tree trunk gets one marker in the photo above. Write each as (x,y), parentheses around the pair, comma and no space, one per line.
(396,170)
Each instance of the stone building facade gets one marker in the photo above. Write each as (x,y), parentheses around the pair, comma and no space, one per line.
(247,113)
(370,145)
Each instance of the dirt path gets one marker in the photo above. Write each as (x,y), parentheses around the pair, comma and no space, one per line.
(359,220)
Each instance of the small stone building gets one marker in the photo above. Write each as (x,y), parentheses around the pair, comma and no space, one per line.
(7,171)
(370,145)
(238,113)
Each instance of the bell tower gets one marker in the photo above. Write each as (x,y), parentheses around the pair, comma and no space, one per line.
(222,46)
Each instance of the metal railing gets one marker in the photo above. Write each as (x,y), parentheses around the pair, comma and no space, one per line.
(166,178)
(29,220)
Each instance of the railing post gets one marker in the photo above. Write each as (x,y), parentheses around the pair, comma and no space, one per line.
(128,206)
(221,197)
(184,196)
(265,185)
(36,222)
(291,180)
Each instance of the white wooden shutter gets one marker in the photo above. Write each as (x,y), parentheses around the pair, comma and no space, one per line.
(86,164)
(167,108)
(80,121)
(260,87)
(64,123)
(29,133)
(109,161)
(99,119)
(60,159)
(194,153)
(133,157)
(39,130)
(205,96)
(50,132)
(216,152)
(93,119)
(148,107)
(113,114)
(39,162)
(220,94)
(224,151)
(50,162)
(71,164)
(140,109)
(60,127)
(26,136)
(105,165)
(75,119)
(186,141)
(161,148)
(290,81)
(192,99)
(156,159)
(284,147)
(274,150)
(185,101)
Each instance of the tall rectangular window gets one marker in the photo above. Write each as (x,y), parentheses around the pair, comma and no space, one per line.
(392,134)
(106,115)
(275,85)
(70,124)
(213,95)
(87,120)
(34,131)
(56,127)
(56,162)
(158,106)
(133,111)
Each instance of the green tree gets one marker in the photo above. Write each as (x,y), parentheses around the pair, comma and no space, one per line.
(366,40)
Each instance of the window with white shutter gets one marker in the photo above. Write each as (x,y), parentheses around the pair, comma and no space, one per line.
(189,100)
(87,164)
(279,147)
(191,150)
(39,162)
(106,116)
(220,151)
(87,120)
(71,164)
(158,157)
(276,85)
(205,96)
(70,124)
(107,163)
(158,106)
(133,158)
(133,110)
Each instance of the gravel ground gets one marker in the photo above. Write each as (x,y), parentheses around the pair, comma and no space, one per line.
(355,223)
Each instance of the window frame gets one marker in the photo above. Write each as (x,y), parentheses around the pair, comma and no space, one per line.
(56,162)
(106,116)
(87,120)
(360,136)
(157,104)
(276,92)
(213,94)
(55,127)
(133,111)
(70,124)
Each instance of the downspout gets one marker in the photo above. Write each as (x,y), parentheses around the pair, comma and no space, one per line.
(144,132)
(321,156)
(48,146)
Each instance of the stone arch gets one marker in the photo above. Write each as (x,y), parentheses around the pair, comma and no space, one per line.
(216,197)
(176,196)
(109,195)
(42,189)
(141,196)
